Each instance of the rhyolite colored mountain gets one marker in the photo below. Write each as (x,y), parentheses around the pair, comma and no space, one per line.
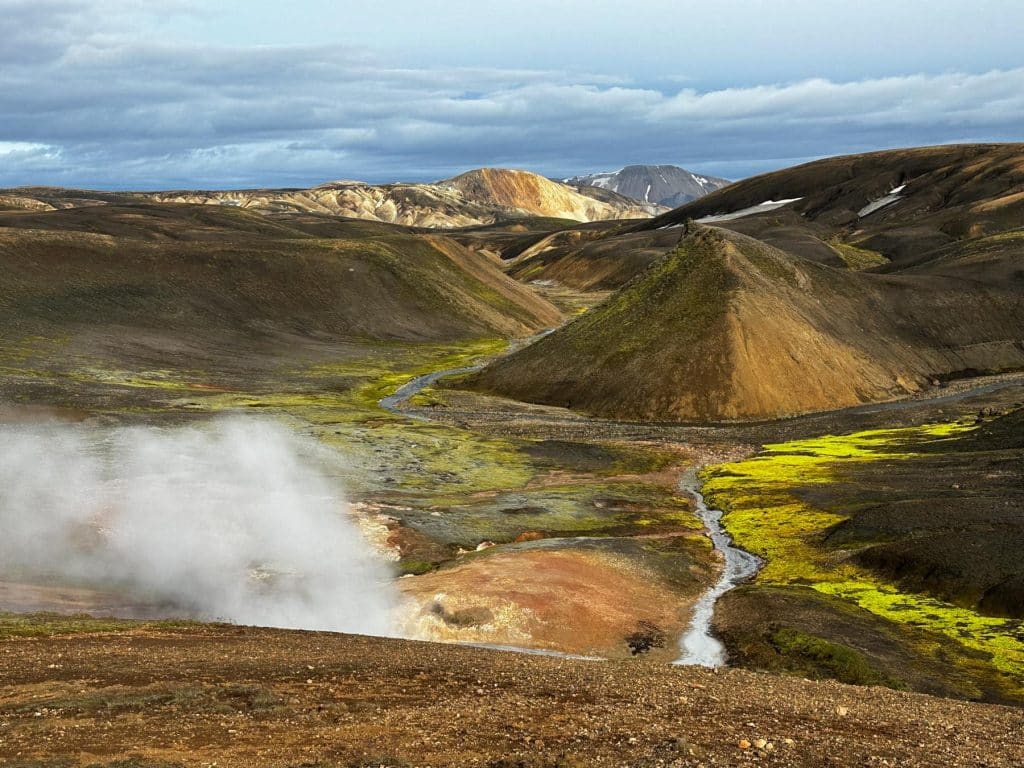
(484,196)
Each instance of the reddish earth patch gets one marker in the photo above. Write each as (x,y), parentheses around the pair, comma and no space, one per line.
(574,601)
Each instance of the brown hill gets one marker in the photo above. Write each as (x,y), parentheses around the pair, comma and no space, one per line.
(726,327)
(587,258)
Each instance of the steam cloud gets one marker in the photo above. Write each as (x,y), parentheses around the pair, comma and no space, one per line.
(234,520)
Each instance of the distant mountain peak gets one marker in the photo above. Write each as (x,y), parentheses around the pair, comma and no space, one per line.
(667,185)
(538,195)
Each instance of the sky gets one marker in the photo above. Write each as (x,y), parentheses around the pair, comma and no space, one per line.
(171,94)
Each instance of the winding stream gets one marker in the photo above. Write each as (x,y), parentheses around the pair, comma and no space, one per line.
(699,646)
(393,402)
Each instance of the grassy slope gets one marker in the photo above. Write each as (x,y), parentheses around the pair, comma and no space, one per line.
(183,268)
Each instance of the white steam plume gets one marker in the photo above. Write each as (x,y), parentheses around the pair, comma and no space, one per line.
(234,520)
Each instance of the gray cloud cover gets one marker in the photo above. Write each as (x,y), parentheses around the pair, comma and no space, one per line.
(89,101)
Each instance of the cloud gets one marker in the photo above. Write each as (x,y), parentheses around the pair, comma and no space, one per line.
(88,103)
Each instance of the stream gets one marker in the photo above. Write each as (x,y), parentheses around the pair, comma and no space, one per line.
(699,646)
(393,403)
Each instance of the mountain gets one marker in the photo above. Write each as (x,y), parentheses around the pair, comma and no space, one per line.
(957,209)
(485,196)
(897,207)
(727,327)
(667,185)
(531,194)
(414,205)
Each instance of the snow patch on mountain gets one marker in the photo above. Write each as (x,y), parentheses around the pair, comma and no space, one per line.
(767,205)
(875,205)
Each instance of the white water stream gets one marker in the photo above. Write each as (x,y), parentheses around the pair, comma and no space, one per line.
(699,646)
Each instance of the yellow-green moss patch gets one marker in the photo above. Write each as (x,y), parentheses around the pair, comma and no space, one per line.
(764,515)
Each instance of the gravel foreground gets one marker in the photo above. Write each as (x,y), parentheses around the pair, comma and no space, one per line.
(236,696)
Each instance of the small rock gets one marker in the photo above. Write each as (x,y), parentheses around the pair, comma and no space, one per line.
(788,742)
(842,711)
(760,743)
(744,744)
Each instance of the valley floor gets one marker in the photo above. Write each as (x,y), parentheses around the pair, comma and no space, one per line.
(516,524)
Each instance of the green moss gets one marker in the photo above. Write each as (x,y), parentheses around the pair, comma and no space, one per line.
(175,380)
(22,349)
(412,567)
(1002,640)
(857,258)
(589,507)
(433,460)
(431,357)
(765,516)
(815,657)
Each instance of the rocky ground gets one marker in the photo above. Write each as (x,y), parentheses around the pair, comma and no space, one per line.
(168,695)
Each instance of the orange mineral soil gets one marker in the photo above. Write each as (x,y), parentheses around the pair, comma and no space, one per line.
(581,602)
